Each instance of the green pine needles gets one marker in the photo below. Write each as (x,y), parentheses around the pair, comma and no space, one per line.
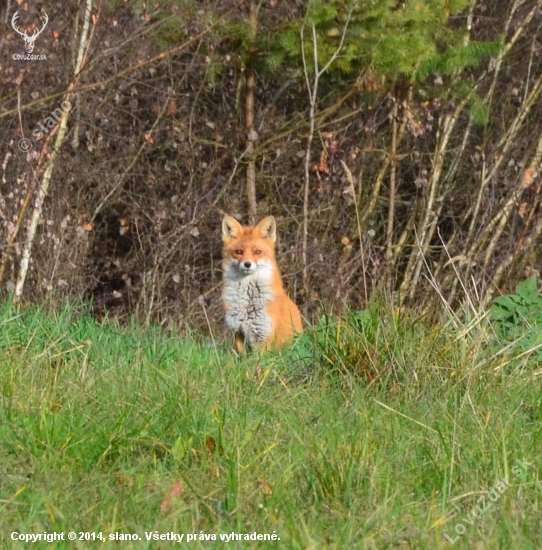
(396,40)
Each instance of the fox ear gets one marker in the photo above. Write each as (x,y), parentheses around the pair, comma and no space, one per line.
(268,228)
(231,228)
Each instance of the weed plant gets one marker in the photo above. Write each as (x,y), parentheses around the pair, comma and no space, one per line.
(517,320)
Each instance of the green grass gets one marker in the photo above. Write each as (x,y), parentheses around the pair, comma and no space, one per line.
(370,433)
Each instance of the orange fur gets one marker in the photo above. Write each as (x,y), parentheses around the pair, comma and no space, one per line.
(257,307)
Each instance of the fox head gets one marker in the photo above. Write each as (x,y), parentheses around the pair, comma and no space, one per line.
(247,249)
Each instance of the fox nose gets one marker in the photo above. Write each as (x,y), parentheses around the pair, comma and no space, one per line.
(248,265)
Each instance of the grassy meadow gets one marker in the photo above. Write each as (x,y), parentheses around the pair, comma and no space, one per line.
(378,431)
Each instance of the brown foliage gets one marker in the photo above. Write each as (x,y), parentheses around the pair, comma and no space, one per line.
(155,156)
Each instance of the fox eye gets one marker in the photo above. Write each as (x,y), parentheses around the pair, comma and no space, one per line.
(257,252)
(238,252)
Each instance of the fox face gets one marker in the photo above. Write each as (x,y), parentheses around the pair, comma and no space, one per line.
(249,250)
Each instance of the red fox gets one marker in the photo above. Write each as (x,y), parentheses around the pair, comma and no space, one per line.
(257,307)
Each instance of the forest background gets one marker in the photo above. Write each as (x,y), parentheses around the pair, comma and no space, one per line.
(398,144)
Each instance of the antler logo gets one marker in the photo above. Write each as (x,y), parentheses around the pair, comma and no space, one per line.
(29,40)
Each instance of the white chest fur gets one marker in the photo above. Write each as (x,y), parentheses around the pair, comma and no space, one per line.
(246,297)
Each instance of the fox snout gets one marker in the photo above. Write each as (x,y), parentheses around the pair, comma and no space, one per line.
(248,267)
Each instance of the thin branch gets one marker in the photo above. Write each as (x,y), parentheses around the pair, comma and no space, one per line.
(250,133)
(312,90)
(427,223)
(391,206)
